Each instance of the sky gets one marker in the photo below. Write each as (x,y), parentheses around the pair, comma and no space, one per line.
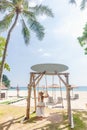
(60,44)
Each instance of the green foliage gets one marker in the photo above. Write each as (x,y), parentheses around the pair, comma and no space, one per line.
(6,66)
(40,10)
(72,1)
(5,23)
(2,47)
(83,4)
(27,13)
(16,1)
(25,32)
(21,10)
(83,39)
(6,81)
(25,4)
(5,5)
(38,28)
(79,123)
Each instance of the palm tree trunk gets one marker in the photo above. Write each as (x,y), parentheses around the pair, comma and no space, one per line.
(6,45)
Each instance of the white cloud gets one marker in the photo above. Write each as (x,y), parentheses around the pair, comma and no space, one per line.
(42,17)
(33,3)
(46,54)
(43,52)
(74,29)
(72,24)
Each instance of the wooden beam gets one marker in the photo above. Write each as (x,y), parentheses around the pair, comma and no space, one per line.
(35,84)
(68,100)
(67,95)
(28,99)
(47,73)
(31,84)
(34,88)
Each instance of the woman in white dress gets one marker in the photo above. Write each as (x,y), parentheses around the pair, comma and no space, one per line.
(40,105)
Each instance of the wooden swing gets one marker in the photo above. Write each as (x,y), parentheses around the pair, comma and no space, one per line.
(46,95)
(44,88)
(48,69)
(59,100)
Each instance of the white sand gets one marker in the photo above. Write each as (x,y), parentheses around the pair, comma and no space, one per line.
(79,103)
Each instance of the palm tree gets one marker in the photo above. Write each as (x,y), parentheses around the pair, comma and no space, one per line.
(2,46)
(82,39)
(82,5)
(15,10)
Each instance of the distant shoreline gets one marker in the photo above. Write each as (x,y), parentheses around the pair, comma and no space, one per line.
(79,88)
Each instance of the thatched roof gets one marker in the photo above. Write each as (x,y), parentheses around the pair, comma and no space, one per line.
(3,87)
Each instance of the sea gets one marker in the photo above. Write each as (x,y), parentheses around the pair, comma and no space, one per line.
(22,88)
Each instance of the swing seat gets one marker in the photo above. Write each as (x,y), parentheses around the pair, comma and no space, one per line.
(59,100)
(45,94)
(76,96)
(50,101)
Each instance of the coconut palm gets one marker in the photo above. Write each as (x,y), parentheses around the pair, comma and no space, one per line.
(16,10)
(82,5)
(2,45)
(82,39)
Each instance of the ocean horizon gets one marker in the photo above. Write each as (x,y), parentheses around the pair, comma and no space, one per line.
(24,88)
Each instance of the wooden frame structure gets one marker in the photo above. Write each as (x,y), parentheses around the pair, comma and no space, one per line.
(35,78)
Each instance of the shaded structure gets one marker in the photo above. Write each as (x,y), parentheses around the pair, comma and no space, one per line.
(17,88)
(3,91)
(39,71)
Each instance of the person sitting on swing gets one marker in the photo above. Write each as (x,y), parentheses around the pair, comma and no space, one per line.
(40,105)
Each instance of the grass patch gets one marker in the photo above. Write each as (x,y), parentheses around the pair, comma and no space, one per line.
(5,102)
(79,123)
(80,119)
(12,101)
(1,114)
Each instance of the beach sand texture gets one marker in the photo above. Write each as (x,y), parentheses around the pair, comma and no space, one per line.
(79,103)
(12,118)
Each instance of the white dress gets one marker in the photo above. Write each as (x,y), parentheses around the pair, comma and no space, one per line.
(40,109)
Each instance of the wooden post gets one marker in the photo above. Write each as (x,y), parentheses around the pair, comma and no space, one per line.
(34,87)
(68,99)
(28,98)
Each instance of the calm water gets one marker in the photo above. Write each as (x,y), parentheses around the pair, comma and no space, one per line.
(79,88)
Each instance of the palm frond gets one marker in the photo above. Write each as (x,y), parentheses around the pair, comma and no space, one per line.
(4,5)
(72,1)
(4,24)
(40,10)
(17,1)
(29,15)
(85,51)
(7,67)
(34,25)
(83,39)
(83,4)
(25,32)
(25,4)
(37,28)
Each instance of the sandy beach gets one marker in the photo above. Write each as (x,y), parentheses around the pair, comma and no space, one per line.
(79,103)
(13,113)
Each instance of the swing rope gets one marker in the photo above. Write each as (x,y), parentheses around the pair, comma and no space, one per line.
(55,91)
(46,90)
(52,85)
(61,91)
